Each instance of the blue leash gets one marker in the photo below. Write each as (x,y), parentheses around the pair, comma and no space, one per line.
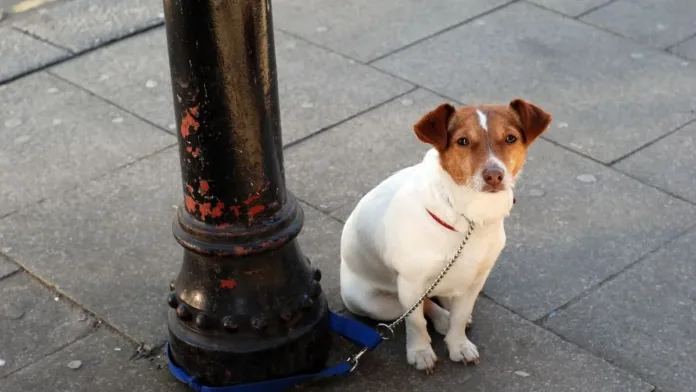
(355,331)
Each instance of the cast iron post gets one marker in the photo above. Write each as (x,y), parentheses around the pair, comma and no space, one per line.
(246,305)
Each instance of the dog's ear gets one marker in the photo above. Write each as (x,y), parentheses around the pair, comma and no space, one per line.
(432,128)
(534,119)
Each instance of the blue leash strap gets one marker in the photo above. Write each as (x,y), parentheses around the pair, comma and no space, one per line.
(355,331)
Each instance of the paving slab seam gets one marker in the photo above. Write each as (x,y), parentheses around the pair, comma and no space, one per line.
(331,126)
(97,177)
(99,321)
(608,166)
(39,38)
(345,56)
(319,210)
(11,274)
(669,48)
(38,202)
(446,29)
(650,143)
(129,164)
(595,8)
(74,54)
(91,332)
(614,33)
(93,94)
(541,322)
(562,338)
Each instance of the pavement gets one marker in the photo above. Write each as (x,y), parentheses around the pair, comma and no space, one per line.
(594,291)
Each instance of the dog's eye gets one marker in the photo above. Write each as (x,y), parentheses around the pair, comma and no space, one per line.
(462,141)
(509,139)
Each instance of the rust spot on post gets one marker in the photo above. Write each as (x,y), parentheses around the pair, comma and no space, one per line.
(228,284)
(255,210)
(195,152)
(218,210)
(204,187)
(189,121)
(251,199)
(190,204)
(205,210)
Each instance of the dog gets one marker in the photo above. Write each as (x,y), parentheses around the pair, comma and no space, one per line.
(402,233)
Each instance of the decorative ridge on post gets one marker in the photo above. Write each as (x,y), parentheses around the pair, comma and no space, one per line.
(246,305)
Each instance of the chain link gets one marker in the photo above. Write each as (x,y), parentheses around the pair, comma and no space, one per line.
(386,331)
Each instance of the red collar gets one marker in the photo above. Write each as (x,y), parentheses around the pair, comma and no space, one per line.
(440,221)
(447,226)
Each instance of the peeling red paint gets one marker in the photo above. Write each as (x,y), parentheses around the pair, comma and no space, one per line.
(235,210)
(204,208)
(228,284)
(218,210)
(189,188)
(195,152)
(190,204)
(189,121)
(254,210)
(204,187)
(251,199)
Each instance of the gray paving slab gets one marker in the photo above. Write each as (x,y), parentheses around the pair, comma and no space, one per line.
(604,91)
(669,163)
(79,25)
(515,356)
(135,75)
(643,320)
(56,136)
(657,23)
(114,252)
(34,323)
(365,30)
(589,223)
(686,49)
(572,8)
(358,154)
(6,267)
(21,53)
(106,364)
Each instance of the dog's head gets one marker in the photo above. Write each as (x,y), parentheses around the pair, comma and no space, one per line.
(483,147)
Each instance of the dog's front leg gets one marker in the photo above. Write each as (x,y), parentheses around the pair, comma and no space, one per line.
(461,349)
(419,352)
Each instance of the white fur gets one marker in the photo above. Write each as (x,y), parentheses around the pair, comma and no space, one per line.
(483,120)
(392,250)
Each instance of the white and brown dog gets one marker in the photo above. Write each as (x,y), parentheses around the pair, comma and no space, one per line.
(401,234)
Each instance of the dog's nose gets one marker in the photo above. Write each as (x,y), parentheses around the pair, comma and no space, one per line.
(493,175)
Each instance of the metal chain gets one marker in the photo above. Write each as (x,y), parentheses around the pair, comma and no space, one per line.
(386,331)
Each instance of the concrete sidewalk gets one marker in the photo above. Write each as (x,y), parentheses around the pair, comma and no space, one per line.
(594,291)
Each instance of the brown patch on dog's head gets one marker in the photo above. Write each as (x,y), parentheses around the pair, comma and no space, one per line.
(483,146)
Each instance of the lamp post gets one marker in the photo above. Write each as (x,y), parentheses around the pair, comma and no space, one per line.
(246,305)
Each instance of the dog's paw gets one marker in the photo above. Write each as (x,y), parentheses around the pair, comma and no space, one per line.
(423,358)
(463,351)
(441,322)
